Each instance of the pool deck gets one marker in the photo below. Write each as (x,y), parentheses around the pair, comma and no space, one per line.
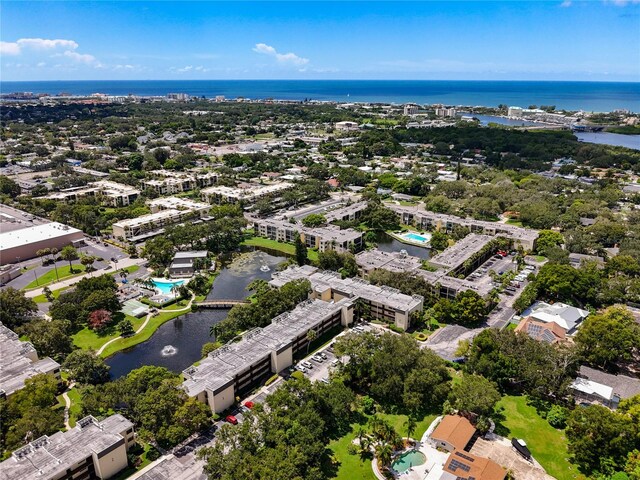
(408,241)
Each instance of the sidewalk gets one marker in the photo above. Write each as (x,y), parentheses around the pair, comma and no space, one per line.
(127,262)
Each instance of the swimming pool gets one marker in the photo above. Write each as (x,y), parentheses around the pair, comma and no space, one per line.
(407,460)
(416,237)
(164,286)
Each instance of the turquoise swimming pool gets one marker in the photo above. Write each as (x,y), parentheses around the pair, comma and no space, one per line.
(416,237)
(407,460)
(164,286)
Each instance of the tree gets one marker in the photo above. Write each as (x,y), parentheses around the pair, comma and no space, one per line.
(607,338)
(9,187)
(600,439)
(301,250)
(15,308)
(48,294)
(50,338)
(125,328)
(311,336)
(547,239)
(159,250)
(85,367)
(88,261)
(470,308)
(384,454)
(105,299)
(439,241)
(410,425)
(474,394)
(314,220)
(69,254)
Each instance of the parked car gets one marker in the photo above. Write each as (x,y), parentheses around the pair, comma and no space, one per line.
(323,355)
(249,404)
(316,358)
(306,364)
(231,419)
(300,368)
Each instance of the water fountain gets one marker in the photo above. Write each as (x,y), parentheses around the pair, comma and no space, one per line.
(169,350)
(265,268)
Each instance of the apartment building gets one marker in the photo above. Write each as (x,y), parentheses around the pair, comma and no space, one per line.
(346,213)
(167,182)
(426,220)
(236,368)
(244,193)
(381,302)
(19,361)
(321,238)
(111,194)
(165,212)
(410,109)
(441,284)
(92,449)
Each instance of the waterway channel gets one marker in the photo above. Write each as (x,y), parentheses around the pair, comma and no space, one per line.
(177,343)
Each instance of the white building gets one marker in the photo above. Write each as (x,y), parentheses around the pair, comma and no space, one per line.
(346,126)
(248,193)
(410,109)
(22,244)
(109,193)
(515,112)
(19,361)
(169,182)
(446,112)
(92,449)
(566,316)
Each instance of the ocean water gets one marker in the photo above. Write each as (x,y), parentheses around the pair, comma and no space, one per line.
(589,96)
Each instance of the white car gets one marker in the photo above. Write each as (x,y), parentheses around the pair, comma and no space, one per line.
(300,368)
(306,364)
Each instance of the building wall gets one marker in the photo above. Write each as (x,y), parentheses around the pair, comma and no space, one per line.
(222,400)
(111,463)
(282,360)
(29,250)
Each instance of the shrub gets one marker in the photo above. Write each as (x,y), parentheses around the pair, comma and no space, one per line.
(396,329)
(297,375)
(352,449)
(271,379)
(153,454)
(421,337)
(557,416)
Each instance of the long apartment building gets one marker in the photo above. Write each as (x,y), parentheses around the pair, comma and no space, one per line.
(346,213)
(167,182)
(19,361)
(243,193)
(92,449)
(426,220)
(453,258)
(441,284)
(111,194)
(165,212)
(238,367)
(382,302)
(321,238)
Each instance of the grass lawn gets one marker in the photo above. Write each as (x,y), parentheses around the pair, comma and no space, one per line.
(76,406)
(56,293)
(50,276)
(517,223)
(548,445)
(143,336)
(286,248)
(352,466)
(87,338)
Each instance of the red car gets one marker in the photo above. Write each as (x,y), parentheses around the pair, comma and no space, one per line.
(249,405)
(232,420)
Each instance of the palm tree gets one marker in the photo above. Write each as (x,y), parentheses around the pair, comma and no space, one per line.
(411,425)
(53,252)
(384,453)
(311,336)
(69,254)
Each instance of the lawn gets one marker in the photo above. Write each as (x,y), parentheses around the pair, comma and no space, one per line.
(548,445)
(50,276)
(286,248)
(87,338)
(76,406)
(352,466)
(517,223)
(56,293)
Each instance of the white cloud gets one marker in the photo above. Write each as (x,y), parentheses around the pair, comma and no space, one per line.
(41,64)
(190,68)
(80,57)
(124,67)
(285,58)
(622,3)
(566,3)
(9,48)
(17,47)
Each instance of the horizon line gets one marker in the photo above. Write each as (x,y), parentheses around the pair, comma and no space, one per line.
(316,80)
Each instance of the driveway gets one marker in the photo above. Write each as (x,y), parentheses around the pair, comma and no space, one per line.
(445,341)
(499,450)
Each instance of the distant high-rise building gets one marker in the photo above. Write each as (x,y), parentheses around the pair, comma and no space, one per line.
(178,96)
(220,98)
(411,109)
(445,112)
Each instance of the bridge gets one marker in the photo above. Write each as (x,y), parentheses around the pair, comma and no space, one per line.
(220,303)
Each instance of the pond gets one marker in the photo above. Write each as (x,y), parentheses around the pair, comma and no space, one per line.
(387,243)
(177,343)
(606,138)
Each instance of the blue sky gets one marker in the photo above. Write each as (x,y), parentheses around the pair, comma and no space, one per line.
(518,40)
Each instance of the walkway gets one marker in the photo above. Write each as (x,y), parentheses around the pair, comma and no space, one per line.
(127,262)
(146,321)
(220,303)
(67,407)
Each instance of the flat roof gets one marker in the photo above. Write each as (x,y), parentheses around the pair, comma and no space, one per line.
(222,365)
(38,233)
(329,233)
(454,256)
(352,287)
(48,457)
(16,361)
